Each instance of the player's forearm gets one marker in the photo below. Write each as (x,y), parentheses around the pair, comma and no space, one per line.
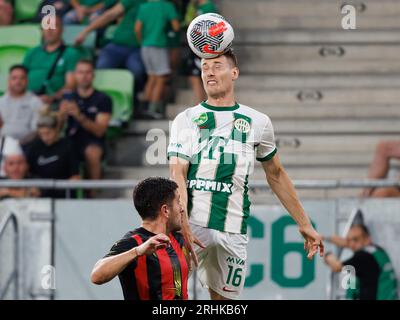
(282,186)
(93,127)
(180,179)
(338,241)
(106,269)
(96,7)
(333,262)
(102,21)
(75,4)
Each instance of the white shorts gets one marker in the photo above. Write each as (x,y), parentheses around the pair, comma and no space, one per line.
(222,264)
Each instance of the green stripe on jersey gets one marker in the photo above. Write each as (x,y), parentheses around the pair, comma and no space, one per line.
(220,200)
(268,156)
(206,123)
(246,205)
(191,175)
(177,154)
(241,127)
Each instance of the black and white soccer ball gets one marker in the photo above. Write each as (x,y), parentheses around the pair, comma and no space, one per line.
(210,35)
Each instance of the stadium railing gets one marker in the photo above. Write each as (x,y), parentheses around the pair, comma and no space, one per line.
(14,276)
(257,184)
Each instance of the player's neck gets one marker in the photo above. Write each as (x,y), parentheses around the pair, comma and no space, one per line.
(226,101)
(155,226)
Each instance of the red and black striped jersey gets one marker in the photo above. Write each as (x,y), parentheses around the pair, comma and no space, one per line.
(160,276)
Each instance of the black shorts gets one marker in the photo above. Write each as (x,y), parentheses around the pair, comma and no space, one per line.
(80,145)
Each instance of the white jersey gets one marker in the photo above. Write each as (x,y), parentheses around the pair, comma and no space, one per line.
(220,143)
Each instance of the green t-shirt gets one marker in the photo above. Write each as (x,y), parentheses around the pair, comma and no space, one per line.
(156,16)
(124,34)
(174,38)
(373,266)
(39,62)
(89,3)
(207,7)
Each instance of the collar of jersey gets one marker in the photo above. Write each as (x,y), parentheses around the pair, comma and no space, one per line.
(231,108)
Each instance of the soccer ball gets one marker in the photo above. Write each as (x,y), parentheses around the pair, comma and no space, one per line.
(209,35)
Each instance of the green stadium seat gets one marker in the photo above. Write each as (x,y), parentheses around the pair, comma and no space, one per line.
(118,84)
(3,83)
(26,10)
(15,41)
(87,48)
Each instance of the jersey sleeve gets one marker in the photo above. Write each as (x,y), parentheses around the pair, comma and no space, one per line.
(125,244)
(180,144)
(106,105)
(266,148)
(140,16)
(71,56)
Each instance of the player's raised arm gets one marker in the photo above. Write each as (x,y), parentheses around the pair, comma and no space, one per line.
(118,259)
(282,186)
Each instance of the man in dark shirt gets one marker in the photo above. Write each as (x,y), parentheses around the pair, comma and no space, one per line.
(50,157)
(150,264)
(88,113)
(375,276)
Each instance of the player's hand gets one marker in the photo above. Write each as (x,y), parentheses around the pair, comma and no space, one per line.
(80,38)
(159,241)
(313,241)
(190,239)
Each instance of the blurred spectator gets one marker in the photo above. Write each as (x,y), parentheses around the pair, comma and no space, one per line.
(6,13)
(174,37)
(379,169)
(61,6)
(50,65)
(123,51)
(19,108)
(88,113)
(15,167)
(8,145)
(83,9)
(151,27)
(375,276)
(174,40)
(50,157)
(192,67)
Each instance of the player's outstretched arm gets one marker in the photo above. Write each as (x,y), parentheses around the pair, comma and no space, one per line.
(178,172)
(282,186)
(108,16)
(333,262)
(107,268)
(337,241)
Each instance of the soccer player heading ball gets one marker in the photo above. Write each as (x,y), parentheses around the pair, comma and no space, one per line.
(211,151)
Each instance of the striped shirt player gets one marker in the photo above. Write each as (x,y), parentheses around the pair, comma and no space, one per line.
(221,144)
(160,276)
(212,151)
(151,261)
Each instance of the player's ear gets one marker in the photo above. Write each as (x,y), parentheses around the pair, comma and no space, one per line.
(235,73)
(164,210)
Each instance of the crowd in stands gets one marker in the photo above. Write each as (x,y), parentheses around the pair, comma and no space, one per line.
(53,122)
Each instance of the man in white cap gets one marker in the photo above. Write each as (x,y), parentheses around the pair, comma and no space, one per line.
(14,167)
